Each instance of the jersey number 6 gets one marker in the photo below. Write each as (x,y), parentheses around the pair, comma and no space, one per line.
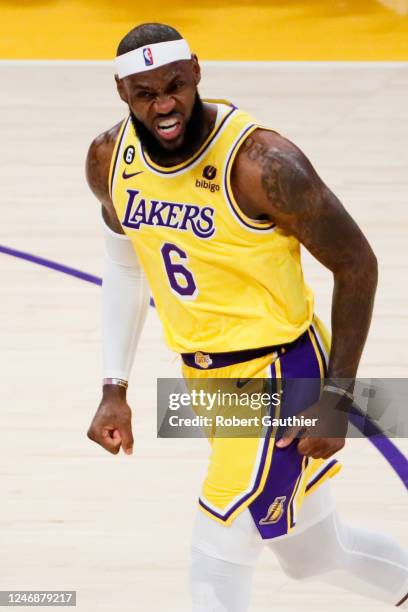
(180,278)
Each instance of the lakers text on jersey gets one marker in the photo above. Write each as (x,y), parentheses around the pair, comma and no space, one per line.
(220,280)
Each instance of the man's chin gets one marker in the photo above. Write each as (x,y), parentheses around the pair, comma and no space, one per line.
(171,144)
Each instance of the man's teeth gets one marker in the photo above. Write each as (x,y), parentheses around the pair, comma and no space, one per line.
(168,125)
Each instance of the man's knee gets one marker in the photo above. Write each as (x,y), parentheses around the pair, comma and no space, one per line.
(298,570)
(313,552)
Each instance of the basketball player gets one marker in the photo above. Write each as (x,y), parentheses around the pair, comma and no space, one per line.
(211,208)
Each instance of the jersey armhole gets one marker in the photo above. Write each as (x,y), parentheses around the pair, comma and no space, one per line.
(115,156)
(249,223)
(220,101)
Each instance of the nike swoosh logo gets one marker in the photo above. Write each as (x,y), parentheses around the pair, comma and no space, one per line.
(128,176)
(241,382)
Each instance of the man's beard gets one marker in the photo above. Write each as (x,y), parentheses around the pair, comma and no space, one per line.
(193,135)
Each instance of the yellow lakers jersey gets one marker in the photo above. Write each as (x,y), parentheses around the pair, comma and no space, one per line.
(220,280)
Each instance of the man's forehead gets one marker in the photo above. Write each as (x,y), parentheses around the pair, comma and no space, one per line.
(159,76)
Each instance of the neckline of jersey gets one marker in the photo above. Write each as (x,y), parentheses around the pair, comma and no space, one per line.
(221,118)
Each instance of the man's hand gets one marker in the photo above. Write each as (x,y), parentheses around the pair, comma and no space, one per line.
(318,448)
(112,424)
(327,436)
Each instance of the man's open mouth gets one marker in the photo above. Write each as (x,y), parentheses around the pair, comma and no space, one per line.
(169,128)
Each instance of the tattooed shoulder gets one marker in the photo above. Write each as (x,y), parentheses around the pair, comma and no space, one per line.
(98,161)
(286,175)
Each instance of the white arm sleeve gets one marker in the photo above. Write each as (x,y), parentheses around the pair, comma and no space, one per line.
(125,300)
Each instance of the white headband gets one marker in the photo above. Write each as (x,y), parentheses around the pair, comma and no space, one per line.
(151,57)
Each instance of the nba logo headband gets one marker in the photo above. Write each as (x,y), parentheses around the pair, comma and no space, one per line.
(151,57)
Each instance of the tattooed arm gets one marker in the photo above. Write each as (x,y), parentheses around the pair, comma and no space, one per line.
(97,174)
(273,179)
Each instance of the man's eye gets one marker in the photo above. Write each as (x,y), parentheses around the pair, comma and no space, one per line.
(177,85)
(146,95)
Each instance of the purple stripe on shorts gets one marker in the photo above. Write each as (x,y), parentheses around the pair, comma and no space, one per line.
(272,371)
(321,474)
(301,387)
(302,362)
(292,501)
(300,378)
(319,346)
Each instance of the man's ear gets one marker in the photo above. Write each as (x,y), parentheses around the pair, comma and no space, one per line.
(196,69)
(121,88)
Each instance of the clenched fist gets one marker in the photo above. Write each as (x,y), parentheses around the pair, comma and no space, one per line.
(112,424)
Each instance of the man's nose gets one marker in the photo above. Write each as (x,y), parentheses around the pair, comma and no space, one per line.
(164,105)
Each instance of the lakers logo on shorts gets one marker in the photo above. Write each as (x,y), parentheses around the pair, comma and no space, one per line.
(203,361)
(275,512)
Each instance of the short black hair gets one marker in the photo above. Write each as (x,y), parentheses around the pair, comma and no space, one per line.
(147,34)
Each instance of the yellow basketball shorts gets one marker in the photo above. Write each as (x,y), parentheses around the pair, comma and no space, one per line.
(251,472)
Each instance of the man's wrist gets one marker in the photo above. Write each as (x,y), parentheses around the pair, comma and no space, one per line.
(119,382)
(346,383)
(342,397)
(114,387)
(341,391)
